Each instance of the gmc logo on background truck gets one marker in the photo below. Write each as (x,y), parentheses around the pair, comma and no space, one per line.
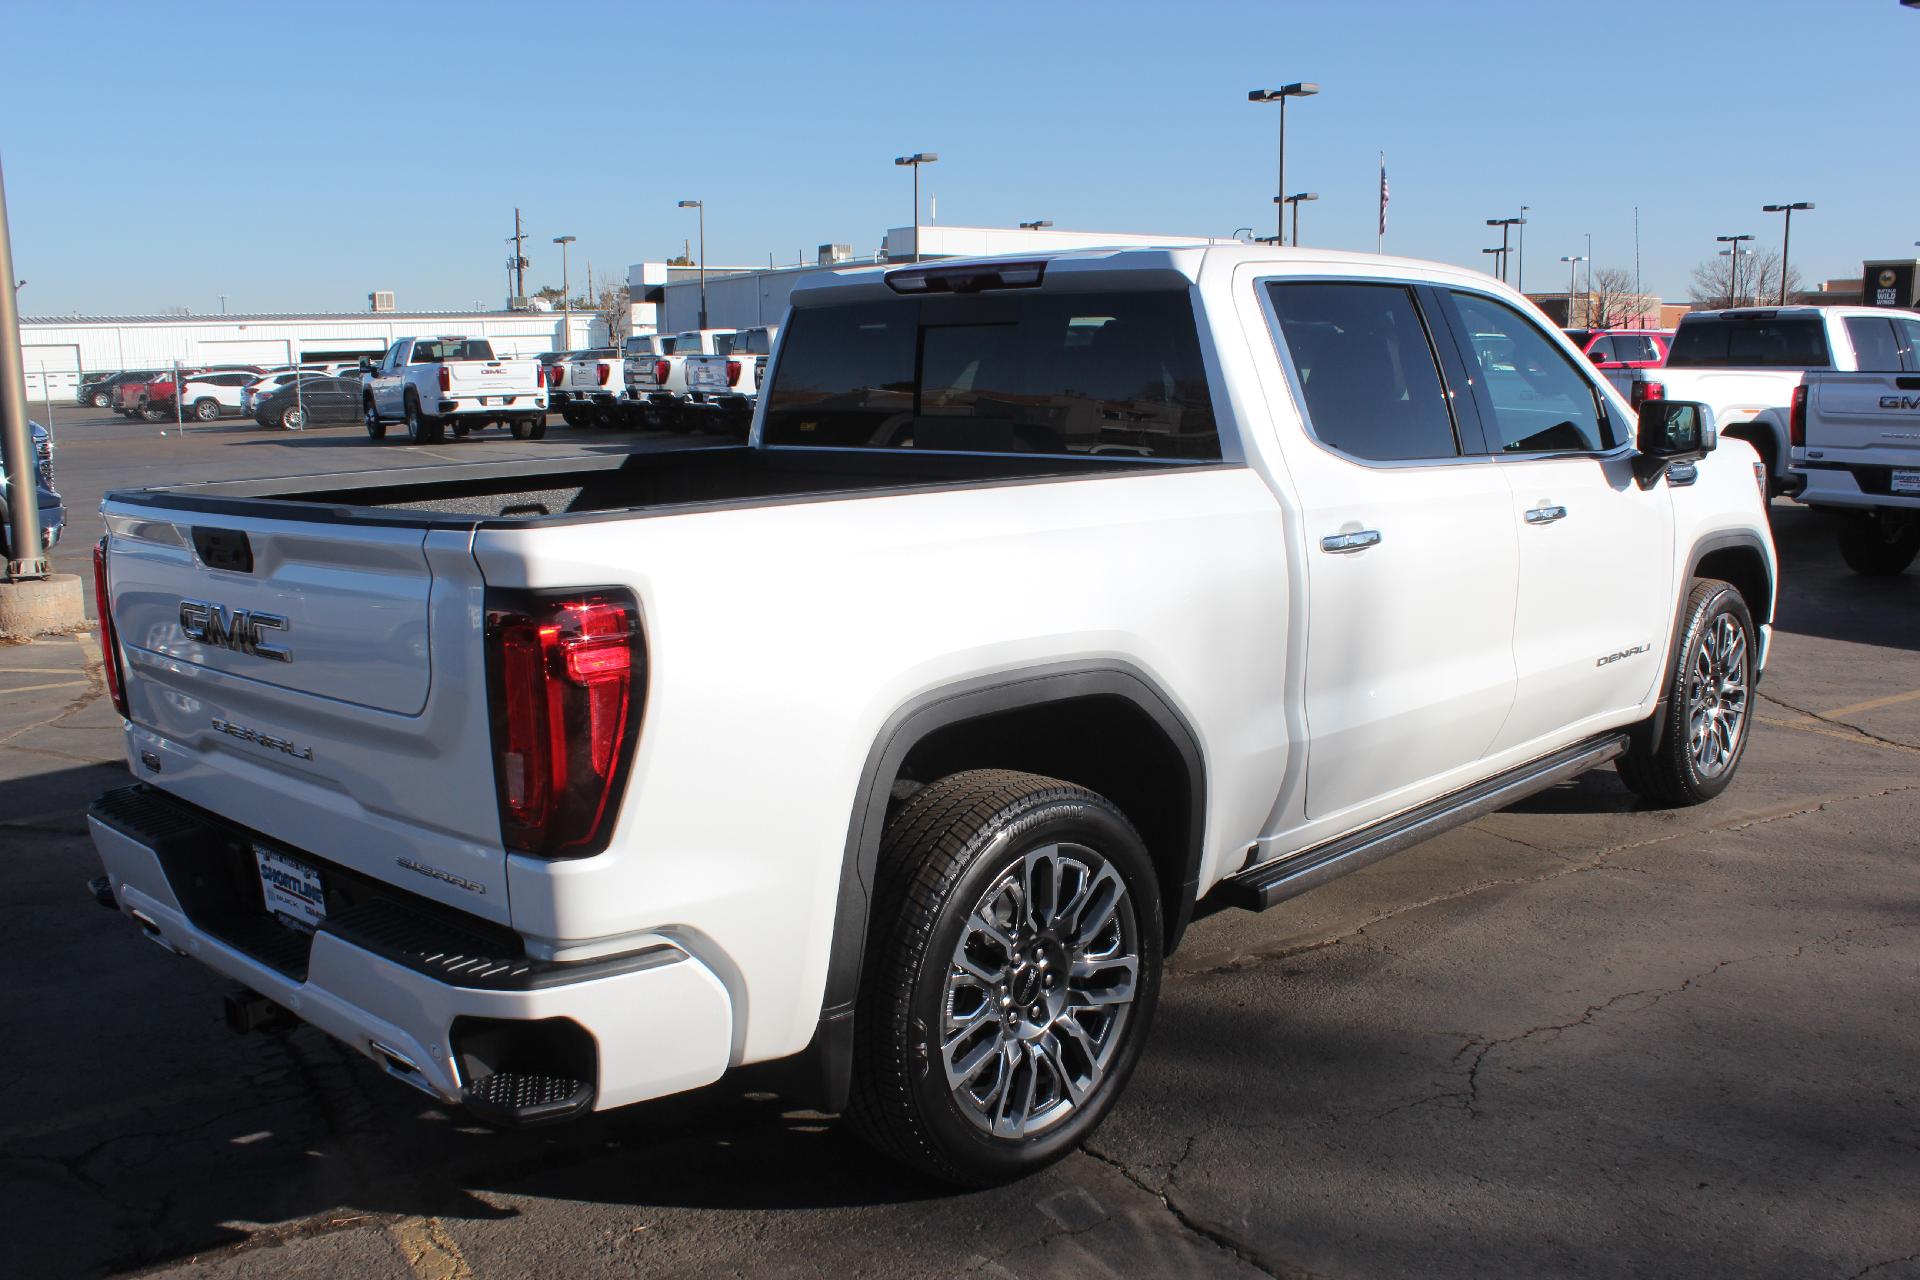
(1900,402)
(237,629)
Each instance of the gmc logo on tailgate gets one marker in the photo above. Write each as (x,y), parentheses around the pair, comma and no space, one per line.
(1900,402)
(236,629)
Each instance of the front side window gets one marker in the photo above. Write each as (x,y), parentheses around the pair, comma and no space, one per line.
(1874,349)
(1366,367)
(1634,347)
(1542,403)
(1108,373)
(1602,349)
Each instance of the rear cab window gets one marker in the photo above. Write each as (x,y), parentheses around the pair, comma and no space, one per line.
(1110,373)
(441,350)
(1763,340)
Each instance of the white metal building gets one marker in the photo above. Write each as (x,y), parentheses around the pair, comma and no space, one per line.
(743,299)
(55,350)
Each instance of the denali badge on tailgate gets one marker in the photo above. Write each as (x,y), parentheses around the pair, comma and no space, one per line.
(236,629)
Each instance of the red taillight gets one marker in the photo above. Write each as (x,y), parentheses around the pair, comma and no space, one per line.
(446,378)
(606,371)
(733,373)
(660,372)
(109,644)
(1797,418)
(565,706)
(1644,391)
(541,380)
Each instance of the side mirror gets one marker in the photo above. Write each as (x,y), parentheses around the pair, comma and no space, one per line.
(1669,431)
(1596,355)
(366,365)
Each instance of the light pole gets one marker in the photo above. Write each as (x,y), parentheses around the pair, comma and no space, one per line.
(701,205)
(1734,253)
(1295,200)
(1499,260)
(1520,254)
(1036,225)
(1573,262)
(914,162)
(1786,237)
(1280,95)
(566,295)
(1505,225)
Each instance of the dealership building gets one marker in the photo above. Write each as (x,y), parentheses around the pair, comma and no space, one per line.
(56,350)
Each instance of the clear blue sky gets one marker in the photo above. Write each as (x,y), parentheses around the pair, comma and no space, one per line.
(295,157)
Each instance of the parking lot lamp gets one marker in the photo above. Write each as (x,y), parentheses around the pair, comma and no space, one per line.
(1499,260)
(566,298)
(1786,237)
(1295,200)
(1506,225)
(701,205)
(1280,95)
(1573,262)
(1734,252)
(1036,225)
(914,162)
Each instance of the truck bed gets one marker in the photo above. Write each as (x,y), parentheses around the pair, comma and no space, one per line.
(516,493)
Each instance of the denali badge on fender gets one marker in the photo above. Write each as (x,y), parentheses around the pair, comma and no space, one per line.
(1624,653)
(238,629)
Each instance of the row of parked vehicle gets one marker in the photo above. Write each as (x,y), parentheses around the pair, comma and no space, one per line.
(703,379)
(283,396)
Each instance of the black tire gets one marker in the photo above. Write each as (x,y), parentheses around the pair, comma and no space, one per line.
(152,414)
(1880,543)
(101,400)
(570,416)
(422,429)
(206,410)
(370,416)
(293,419)
(948,860)
(1703,690)
(523,429)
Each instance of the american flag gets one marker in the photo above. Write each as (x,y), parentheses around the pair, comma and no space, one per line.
(1383,193)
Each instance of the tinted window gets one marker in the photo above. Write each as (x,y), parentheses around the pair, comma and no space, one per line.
(1367,369)
(1109,373)
(1753,342)
(752,342)
(1909,331)
(1634,346)
(1873,345)
(1602,349)
(1541,401)
(438,351)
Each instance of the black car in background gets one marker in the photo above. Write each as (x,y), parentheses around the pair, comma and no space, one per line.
(313,400)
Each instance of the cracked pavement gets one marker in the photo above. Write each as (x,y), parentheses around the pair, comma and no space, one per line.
(1575,1038)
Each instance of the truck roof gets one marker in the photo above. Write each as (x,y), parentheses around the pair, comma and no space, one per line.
(1814,310)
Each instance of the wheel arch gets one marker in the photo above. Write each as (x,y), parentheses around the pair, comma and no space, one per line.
(1104,725)
(1734,556)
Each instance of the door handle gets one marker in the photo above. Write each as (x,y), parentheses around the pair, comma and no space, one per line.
(1546,515)
(1341,544)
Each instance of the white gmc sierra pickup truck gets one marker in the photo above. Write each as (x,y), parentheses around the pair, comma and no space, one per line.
(1744,365)
(887,754)
(434,385)
(1856,447)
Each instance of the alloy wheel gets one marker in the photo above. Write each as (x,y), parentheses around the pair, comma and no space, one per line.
(1717,696)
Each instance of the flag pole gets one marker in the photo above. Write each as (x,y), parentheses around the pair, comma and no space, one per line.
(1380,229)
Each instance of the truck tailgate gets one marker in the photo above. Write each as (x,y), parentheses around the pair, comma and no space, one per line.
(283,674)
(1864,418)
(492,377)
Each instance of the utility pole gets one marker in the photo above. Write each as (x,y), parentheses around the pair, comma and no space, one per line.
(519,260)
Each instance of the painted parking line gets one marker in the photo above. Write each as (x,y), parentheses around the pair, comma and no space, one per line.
(36,671)
(1874,704)
(429,1249)
(55,684)
(1804,725)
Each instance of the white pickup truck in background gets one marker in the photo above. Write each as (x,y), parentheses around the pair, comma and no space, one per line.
(1051,601)
(452,383)
(593,387)
(1745,363)
(722,388)
(657,388)
(1856,450)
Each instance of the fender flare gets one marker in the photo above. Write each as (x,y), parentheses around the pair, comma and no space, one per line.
(1704,546)
(823,1070)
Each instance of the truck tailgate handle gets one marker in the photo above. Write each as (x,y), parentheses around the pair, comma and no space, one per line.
(1907,384)
(223,549)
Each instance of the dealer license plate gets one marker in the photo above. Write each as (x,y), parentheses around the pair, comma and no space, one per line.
(291,888)
(1906,482)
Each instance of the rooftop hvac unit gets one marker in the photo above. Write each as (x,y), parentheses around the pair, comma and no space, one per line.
(833,253)
(382,299)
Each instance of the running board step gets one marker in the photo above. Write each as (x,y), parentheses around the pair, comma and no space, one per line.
(515,1100)
(1274,881)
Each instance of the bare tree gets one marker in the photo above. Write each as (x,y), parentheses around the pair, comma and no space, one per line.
(615,313)
(1752,279)
(1612,303)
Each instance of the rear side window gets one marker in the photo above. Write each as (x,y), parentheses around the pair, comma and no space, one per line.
(1602,349)
(1909,331)
(1542,403)
(1750,342)
(1874,348)
(1106,373)
(1366,367)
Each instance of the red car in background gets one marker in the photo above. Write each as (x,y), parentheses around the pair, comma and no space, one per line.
(1624,348)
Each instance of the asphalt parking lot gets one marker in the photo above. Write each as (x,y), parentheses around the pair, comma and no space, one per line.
(1575,1038)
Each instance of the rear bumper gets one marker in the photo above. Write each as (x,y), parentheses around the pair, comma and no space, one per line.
(1835,487)
(471,406)
(392,984)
